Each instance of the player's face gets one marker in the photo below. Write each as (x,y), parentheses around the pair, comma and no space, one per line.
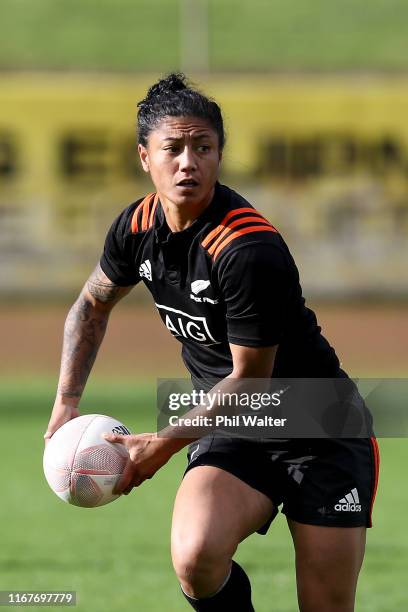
(183,159)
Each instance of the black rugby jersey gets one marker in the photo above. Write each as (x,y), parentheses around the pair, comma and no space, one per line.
(228,278)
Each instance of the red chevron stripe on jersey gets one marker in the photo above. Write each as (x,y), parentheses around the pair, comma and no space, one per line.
(153,210)
(221,235)
(146,210)
(242,232)
(233,213)
(233,224)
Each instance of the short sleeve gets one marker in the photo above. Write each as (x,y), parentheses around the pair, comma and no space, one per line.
(257,283)
(117,260)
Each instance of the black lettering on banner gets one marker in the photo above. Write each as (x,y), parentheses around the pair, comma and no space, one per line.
(128,160)
(8,156)
(84,155)
(296,158)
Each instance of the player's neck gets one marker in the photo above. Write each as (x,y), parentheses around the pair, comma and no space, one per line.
(180,216)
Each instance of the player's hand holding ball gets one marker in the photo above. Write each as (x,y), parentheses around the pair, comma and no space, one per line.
(147,454)
(61,414)
(80,466)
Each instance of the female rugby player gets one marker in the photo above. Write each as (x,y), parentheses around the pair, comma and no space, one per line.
(227,288)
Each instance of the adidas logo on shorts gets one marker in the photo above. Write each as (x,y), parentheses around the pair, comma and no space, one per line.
(146,270)
(349,503)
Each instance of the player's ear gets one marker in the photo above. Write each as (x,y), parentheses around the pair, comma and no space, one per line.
(144,157)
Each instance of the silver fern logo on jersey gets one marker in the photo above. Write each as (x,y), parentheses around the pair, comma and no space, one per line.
(145,270)
(197,287)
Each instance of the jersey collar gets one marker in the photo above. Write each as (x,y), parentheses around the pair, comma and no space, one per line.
(165,236)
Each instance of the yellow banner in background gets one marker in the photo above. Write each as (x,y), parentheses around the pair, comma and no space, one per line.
(361,120)
(327,157)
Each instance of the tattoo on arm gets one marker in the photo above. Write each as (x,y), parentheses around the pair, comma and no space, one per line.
(84,330)
(83,333)
(101,288)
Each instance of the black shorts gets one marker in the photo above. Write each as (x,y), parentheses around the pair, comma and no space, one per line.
(328,482)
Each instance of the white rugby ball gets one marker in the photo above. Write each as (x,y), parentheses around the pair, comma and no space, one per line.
(80,466)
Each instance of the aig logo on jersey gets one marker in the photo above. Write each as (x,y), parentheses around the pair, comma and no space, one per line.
(197,287)
(181,323)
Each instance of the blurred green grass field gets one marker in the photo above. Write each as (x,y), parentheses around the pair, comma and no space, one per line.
(254,35)
(117,557)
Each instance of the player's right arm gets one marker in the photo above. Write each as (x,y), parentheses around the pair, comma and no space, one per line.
(84,330)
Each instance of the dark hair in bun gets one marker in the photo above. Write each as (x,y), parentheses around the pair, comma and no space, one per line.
(173,96)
